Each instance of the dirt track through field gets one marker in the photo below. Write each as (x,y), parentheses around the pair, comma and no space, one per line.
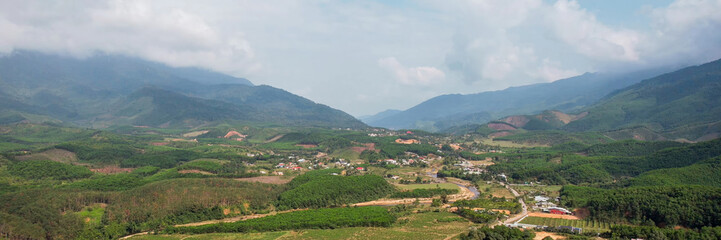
(551,215)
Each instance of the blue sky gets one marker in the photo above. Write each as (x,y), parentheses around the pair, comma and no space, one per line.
(364,57)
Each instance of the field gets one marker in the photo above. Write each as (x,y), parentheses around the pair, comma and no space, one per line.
(427,186)
(496,190)
(418,227)
(267,179)
(586,225)
(550,190)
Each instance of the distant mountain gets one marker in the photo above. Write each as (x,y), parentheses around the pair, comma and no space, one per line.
(566,95)
(106,90)
(683,104)
(378,116)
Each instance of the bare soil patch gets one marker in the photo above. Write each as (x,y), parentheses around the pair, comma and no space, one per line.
(518,121)
(266,179)
(57,155)
(366,146)
(112,169)
(307,145)
(275,138)
(541,235)
(499,134)
(487,162)
(581,212)
(551,215)
(195,134)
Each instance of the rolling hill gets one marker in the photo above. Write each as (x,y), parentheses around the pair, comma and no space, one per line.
(685,104)
(106,90)
(566,95)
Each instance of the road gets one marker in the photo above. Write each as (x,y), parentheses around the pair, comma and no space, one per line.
(523,213)
(467,192)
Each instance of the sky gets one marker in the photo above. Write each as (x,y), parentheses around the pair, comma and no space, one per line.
(364,57)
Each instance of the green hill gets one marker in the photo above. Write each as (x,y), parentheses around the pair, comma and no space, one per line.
(682,104)
(105,90)
(707,173)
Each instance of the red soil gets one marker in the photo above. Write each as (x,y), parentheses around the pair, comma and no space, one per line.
(500,126)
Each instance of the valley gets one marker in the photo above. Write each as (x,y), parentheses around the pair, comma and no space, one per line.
(185,160)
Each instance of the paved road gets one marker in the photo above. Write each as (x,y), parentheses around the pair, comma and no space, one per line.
(523,213)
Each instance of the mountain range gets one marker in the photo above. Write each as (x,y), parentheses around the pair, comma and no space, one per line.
(565,95)
(106,90)
(683,105)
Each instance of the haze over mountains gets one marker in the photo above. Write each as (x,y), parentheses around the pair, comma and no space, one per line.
(106,90)
(565,95)
(681,105)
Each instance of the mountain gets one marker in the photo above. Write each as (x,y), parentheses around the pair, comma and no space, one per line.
(566,95)
(105,90)
(378,116)
(684,104)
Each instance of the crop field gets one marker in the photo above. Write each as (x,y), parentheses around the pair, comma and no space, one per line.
(430,225)
(586,225)
(550,190)
(496,190)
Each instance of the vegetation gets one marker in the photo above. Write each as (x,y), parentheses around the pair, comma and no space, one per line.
(308,219)
(498,232)
(689,206)
(314,191)
(38,169)
(490,203)
(424,193)
(586,225)
(479,216)
(640,232)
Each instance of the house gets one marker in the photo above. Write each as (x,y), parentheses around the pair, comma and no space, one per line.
(360,169)
(395,177)
(297,168)
(558,210)
(278,173)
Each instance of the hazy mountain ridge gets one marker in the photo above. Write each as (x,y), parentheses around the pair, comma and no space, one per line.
(682,104)
(104,90)
(566,95)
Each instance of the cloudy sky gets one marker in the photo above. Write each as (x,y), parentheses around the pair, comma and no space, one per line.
(367,56)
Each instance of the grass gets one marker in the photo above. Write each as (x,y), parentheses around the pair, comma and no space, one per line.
(419,226)
(509,144)
(550,190)
(427,186)
(586,225)
(347,154)
(494,189)
(92,214)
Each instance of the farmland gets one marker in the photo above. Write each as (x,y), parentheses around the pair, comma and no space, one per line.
(586,225)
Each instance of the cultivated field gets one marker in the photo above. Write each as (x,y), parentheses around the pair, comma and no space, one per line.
(422,226)
(586,225)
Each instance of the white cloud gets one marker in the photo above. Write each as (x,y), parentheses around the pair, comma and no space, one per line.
(319,48)
(136,28)
(580,30)
(411,75)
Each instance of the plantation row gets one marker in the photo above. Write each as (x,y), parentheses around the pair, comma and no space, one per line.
(315,191)
(586,225)
(326,218)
